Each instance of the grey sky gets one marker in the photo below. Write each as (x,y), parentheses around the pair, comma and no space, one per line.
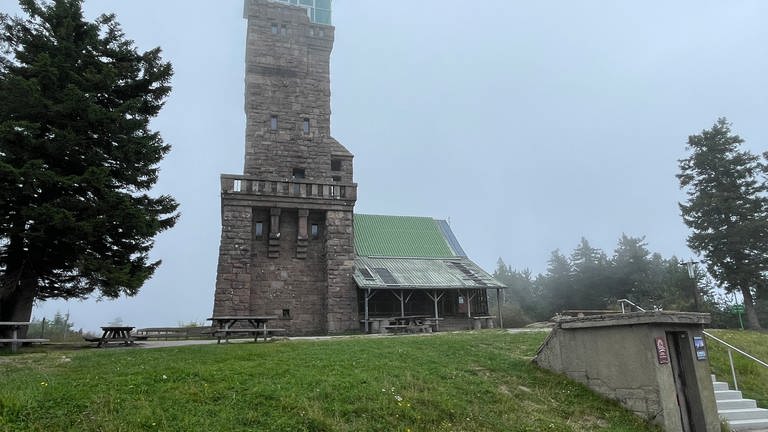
(528,124)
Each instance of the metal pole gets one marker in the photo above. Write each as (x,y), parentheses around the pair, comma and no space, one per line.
(733,371)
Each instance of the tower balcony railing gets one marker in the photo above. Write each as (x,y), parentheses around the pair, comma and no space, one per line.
(297,188)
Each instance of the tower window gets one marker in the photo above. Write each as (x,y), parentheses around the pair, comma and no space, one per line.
(336,179)
(314,231)
(335,164)
(286,313)
(283,29)
(305,126)
(298,173)
(258,229)
(273,122)
(275,30)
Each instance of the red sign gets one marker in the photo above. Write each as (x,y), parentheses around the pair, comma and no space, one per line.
(661,350)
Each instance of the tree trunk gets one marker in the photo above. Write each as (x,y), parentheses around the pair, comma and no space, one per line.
(749,309)
(17,306)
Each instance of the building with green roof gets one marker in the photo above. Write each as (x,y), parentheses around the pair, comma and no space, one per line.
(414,266)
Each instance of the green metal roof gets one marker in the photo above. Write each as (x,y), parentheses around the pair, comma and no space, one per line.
(400,236)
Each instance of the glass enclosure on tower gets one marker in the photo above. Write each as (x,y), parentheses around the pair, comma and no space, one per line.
(319,11)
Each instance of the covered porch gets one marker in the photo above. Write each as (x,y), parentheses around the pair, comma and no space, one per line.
(448,293)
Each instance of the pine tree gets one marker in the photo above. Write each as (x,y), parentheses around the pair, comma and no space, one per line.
(77,157)
(727,211)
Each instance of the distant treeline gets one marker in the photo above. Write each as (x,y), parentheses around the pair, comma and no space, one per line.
(589,279)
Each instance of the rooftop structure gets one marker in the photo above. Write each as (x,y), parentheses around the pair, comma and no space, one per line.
(318,11)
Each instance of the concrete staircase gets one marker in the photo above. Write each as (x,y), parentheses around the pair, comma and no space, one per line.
(742,414)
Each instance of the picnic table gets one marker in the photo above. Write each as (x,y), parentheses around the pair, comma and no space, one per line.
(14,340)
(114,334)
(484,321)
(223,326)
(408,323)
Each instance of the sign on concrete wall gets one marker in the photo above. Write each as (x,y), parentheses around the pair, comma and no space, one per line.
(701,348)
(661,350)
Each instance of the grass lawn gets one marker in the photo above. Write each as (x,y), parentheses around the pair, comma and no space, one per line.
(481,381)
(752,377)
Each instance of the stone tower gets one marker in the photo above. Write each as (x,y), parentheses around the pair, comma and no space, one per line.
(287,242)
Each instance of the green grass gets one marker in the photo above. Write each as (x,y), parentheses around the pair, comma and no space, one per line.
(753,378)
(481,381)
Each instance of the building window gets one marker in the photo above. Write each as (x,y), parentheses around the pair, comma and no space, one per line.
(258,229)
(298,173)
(336,179)
(283,29)
(273,122)
(314,231)
(286,313)
(275,30)
(335,164)
(305,126)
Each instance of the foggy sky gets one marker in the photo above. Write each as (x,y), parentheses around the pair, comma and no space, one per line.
(527,124)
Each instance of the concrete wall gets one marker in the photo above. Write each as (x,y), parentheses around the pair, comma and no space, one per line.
(618,359)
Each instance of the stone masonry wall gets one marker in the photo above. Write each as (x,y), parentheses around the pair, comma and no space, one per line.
(307,282)
(342,291)
(233,279)
(288,76)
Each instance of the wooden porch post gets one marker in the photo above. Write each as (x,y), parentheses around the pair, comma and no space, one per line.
(498,301)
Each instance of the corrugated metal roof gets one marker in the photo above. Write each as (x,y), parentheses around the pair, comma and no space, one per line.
(400,236)
(421,273)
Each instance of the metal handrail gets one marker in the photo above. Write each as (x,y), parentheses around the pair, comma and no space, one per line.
(730,357)
(622,301)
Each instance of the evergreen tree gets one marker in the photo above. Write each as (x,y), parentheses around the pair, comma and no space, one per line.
(77,157)
(727,211)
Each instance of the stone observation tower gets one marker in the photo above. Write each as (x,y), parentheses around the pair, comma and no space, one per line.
(287,243)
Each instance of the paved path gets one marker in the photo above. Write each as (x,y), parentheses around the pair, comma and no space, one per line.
(187,342)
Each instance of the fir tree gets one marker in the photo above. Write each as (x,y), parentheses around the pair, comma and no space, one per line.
(727,210)
(77,157)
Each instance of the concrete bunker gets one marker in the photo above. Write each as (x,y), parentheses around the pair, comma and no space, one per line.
(653,363)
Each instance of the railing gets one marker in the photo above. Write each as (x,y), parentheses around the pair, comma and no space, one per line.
(732,348)
(622,302)
(288,188)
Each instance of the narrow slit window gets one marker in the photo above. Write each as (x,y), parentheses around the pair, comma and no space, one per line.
(314,231)
(273,122)
(258,229)
(305,126)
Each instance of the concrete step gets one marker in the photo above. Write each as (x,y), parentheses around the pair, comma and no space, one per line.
(748,425)
(744,414)
(735,404)
(728,395)
(718,385)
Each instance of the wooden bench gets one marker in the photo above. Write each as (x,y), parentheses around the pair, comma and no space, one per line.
(170,332)
(224,333)
(424,328)
(395,328)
